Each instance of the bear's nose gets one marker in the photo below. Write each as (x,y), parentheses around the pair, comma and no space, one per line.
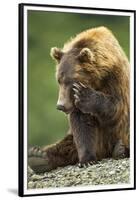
(60,107)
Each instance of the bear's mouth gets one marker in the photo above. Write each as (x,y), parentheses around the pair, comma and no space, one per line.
(68,111)
(65,110)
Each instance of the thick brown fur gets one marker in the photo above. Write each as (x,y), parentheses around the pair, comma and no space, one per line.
(93,74)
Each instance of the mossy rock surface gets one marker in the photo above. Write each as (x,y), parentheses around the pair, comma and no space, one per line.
(107,171)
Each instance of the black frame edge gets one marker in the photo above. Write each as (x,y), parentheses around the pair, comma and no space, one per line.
(78,7)
(21,100)
(134,99)
(80,192)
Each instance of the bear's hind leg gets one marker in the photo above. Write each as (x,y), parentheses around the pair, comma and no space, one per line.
(60,154)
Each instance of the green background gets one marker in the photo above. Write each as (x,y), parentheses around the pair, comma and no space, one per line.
(46,30)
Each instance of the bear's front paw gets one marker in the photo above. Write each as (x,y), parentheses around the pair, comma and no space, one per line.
(37,160)
(87,159)
(84,97)
(119,150)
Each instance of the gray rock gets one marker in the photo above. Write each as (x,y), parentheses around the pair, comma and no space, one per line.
(107,171)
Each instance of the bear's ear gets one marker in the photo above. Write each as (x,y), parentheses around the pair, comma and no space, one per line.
(86,55)
(56,54)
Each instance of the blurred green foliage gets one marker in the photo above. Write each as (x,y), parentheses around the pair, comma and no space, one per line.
(46,30)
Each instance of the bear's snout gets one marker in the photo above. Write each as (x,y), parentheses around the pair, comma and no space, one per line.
(60,107)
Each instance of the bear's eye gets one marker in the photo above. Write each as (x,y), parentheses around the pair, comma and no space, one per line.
(68,82)
(64,81)
(58,80)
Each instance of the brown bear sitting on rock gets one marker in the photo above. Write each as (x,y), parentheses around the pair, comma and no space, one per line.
(93,75)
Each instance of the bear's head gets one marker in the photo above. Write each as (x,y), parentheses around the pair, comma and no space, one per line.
(71,67)
(93,58)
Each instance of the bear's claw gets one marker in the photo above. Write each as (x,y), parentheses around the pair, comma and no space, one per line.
(83,97)
(84,86)
(85,165)
(77,86)
(34,151)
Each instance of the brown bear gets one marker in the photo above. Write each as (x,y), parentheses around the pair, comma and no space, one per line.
(93,75)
